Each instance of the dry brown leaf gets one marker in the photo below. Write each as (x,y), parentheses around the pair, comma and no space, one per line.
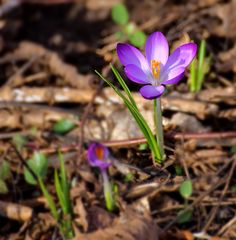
(218,94)
(184,235)
(15,211)
(228,60)
(98,218)
(227,14)
(131,225)
(81,214)
(179,235)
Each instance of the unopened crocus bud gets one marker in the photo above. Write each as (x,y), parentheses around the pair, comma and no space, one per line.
(98,156)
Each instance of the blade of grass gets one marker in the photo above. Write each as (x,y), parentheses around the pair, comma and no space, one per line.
(60,193)
(50,201)
(124,85)
(64,184)
(201,57)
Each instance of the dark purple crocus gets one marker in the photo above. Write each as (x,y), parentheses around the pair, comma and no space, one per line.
(158,68)
(98,156)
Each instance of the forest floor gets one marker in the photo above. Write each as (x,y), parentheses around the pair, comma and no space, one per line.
(50,50)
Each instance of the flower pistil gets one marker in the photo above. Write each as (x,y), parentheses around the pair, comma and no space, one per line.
(156,68)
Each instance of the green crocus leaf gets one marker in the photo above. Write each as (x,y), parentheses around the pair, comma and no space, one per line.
(233,149)
(3,187)
(63,126)
(5,170)
(39,165)
(119,14)
(184,216)
(233,188)
(138,39)
(186,189)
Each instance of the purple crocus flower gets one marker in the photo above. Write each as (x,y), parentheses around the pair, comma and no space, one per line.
(158,68)
(98,156)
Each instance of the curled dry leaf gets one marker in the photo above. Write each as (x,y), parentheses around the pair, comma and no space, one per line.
(131,225)
(50,59)
(227,14)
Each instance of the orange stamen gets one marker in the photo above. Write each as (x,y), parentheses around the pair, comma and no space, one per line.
(99,152)
(156,68)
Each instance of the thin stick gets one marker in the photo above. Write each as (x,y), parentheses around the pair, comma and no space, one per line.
(199,199)
(226,226)
(214,210)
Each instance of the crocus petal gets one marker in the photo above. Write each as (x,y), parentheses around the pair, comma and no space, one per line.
(157,48)
(182,56)
(136,74)
(131,55)
(173,76)
(152,92)
(100,164)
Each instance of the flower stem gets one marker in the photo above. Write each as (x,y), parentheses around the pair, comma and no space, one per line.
(159,128)
(107,191)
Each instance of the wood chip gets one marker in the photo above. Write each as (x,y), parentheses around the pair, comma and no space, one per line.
(15,211)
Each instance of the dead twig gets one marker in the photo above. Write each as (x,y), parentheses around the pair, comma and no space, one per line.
(174,136)
(225,227)
(202,196)
(13,81)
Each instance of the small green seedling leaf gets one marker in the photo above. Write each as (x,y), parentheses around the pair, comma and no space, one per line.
(143,147)
(233,149)
(19,141)
(3,187)
(63,126)
(129,177)
(186,189)
(184,216)
(39,165)
(119,14)
(233,188)
(179,170)
(130,28)
(5,170)
(138,39)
